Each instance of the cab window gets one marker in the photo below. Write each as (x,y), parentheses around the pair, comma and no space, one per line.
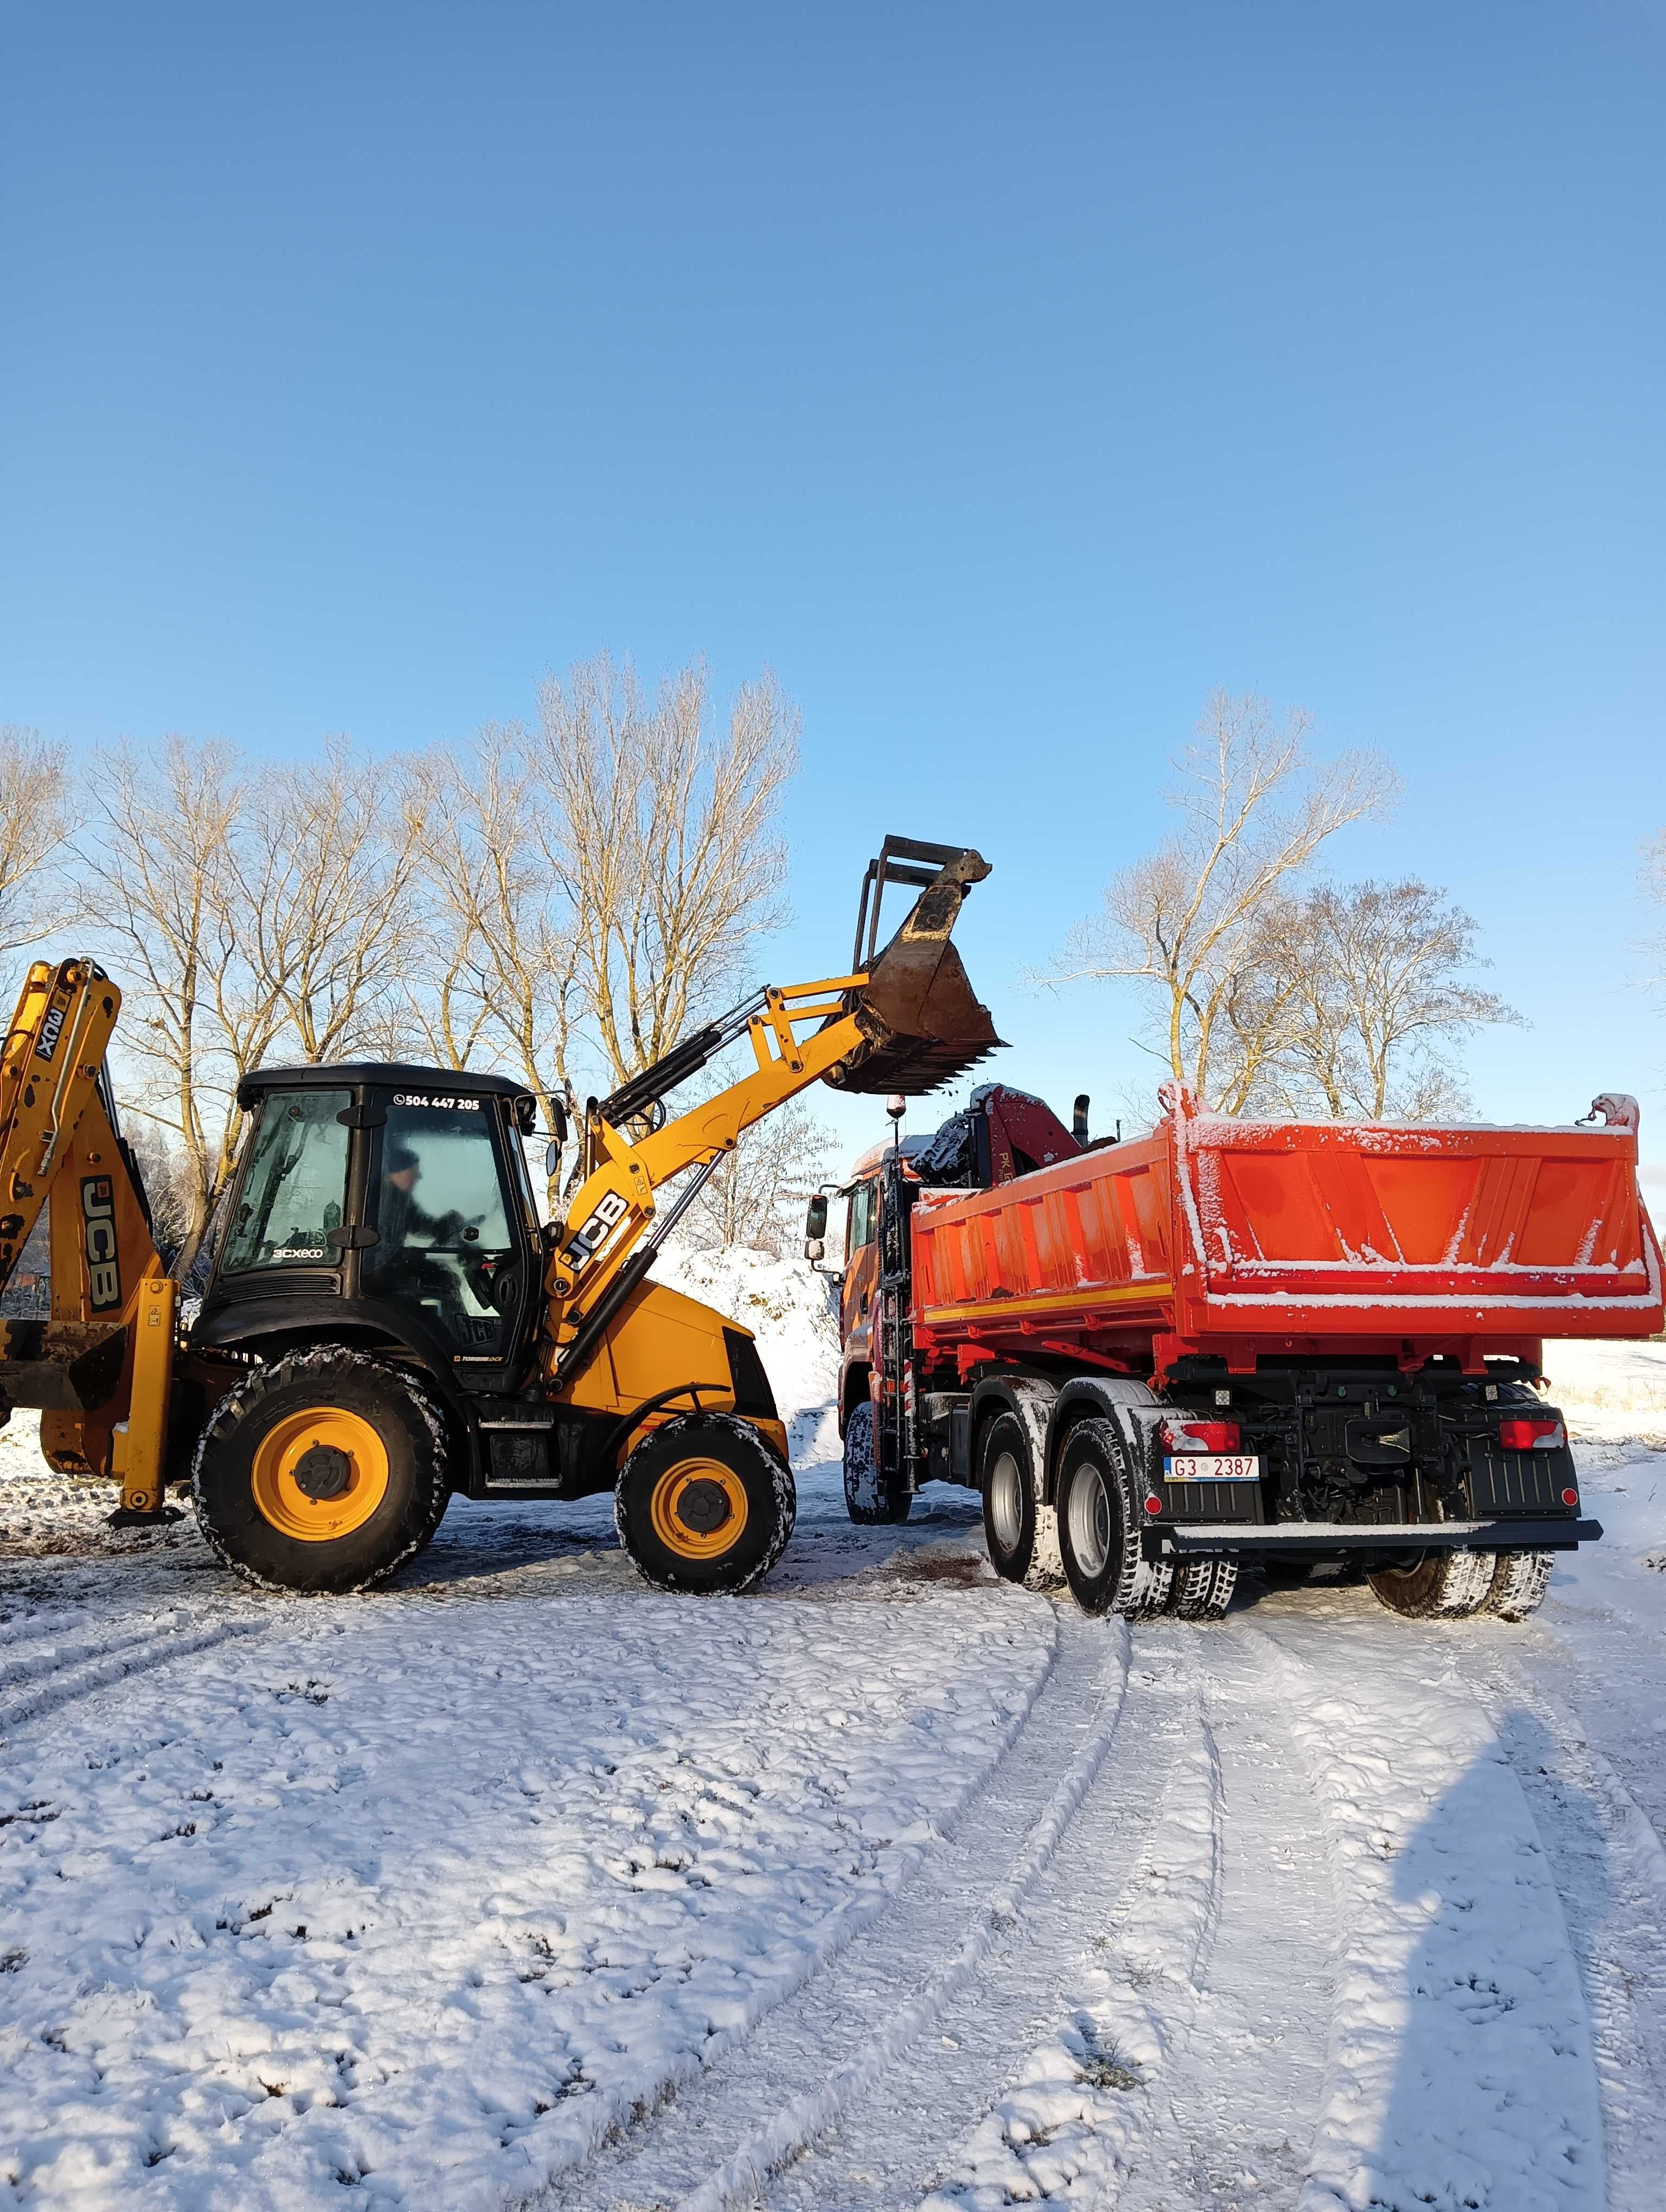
(862,1210)
(440,1212)
(296,1185)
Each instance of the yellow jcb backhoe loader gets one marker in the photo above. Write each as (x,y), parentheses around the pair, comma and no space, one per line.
(386,1324)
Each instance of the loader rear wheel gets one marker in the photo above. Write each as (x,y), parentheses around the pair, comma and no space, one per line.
(323,1471)
(1022,1535)
(1099,1528)
(704,1505)
(1441,1585)
(871,1499)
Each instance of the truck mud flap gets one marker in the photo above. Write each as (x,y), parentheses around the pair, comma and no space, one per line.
(1303,1536)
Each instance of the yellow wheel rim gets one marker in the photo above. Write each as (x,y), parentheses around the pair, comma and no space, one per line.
(699,1509)
(319,1474)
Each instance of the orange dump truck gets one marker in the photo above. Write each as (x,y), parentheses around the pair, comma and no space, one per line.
(1237,1340)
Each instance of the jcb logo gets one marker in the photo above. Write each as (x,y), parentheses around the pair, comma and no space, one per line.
(585,1243)
(98,1212)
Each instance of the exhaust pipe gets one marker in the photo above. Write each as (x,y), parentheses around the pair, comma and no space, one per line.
(920,1024)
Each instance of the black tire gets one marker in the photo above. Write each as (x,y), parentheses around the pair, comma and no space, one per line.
(871,1499)
(678,1505)
(1441,1586)
(1100,1527)
(1202,1589)
(239,1461)
(1022,1535)
(1519,1582)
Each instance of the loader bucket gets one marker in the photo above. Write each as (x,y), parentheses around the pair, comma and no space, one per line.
(920,1024)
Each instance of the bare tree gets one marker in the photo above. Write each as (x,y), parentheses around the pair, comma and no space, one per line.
(1375,978)
(318,879)
(661,827)
(756,1195)
(164,885)
(36,818)
(1190,919)
(498,974)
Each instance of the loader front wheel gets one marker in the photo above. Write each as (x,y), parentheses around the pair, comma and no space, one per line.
(323,1471)
(704,1505)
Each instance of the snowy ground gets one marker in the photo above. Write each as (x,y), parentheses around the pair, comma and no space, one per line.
(518,1885)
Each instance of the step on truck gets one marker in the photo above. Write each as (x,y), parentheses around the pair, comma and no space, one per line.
(1236,1342)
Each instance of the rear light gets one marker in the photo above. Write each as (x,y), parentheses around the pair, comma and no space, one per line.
(1528,1433)
(1199,1435)
(1153,1505)
(1569,1498)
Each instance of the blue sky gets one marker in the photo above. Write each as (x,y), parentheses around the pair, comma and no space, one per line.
(1005,378)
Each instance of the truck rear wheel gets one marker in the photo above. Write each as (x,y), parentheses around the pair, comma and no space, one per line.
(873,1499)
(1442,1585)
(1022,1534)
(1519,1582)
(704,1505)
(1202,1588)
(323,1471)
(1099,1528)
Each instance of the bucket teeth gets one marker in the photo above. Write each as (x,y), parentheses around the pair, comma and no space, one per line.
(920,1024)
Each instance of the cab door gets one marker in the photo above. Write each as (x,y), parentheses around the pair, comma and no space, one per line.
(452,1240)
(861,1274)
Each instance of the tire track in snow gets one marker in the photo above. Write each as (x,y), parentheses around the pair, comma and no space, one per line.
(1610,1868)
(752,2080)
(1080,2105)
(1460,2067)
(777,2142)
(1238,2071)
(51,1683)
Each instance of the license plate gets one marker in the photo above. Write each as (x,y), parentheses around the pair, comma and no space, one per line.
(1212,1467)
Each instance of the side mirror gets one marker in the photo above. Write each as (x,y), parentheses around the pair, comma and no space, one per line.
(552,1158)
(815,1221)
(814,1249)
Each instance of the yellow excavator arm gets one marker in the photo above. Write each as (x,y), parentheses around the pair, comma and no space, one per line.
(100,1367)
(904,1021)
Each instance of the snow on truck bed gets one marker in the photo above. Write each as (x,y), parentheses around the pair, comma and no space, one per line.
(892,1885)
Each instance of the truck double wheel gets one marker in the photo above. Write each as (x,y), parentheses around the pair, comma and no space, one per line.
(1451,1585)
(322,1471)
(704,1505)
(1099,1533)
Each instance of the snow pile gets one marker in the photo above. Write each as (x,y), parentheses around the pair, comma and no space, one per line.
(793,1312)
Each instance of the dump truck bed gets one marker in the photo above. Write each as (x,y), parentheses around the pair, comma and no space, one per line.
(1242,1238)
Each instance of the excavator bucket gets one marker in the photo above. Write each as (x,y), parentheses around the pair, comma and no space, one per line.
(920,1024)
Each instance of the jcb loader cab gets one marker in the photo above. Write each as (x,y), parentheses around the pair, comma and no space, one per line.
(386,1324)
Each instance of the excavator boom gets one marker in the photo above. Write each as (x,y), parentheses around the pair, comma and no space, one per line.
(904,1022)
(98,1369)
